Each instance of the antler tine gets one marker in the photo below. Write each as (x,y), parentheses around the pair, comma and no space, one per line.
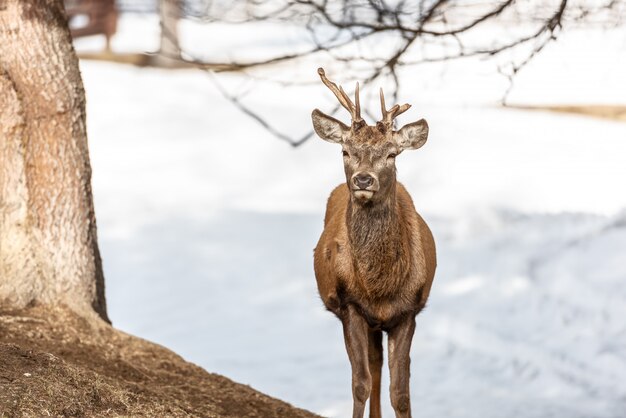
(383,109)
(337,91)
(394,112)
(358,102)
(400,109)
(344,99)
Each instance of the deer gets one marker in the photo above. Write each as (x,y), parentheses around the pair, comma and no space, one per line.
(375,260)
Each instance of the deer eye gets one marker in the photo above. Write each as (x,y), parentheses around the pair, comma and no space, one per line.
(344,153)
(392,155)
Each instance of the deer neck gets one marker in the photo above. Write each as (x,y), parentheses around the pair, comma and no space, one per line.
(375,238)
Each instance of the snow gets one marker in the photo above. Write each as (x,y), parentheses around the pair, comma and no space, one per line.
(207,225)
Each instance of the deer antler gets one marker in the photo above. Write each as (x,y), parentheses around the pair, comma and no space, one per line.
(344,99)
(391,114)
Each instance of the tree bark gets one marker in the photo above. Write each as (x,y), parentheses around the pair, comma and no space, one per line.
(169,14)
(48,244)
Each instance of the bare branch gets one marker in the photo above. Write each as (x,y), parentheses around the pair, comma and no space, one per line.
(249,112)
(345,31)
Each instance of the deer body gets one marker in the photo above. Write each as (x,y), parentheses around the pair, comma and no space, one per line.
(375,260)
(381,259)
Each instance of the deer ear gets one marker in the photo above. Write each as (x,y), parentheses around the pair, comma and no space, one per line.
(412,136)
(329,128)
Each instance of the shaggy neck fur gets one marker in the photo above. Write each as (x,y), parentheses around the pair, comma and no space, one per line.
(376,242)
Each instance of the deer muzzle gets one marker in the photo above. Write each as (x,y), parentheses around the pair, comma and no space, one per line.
(364,185)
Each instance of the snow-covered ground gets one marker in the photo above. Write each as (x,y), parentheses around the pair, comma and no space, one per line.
(207,225)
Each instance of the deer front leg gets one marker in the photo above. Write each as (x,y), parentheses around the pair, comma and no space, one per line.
(375,356)
(400,338)
(355,332)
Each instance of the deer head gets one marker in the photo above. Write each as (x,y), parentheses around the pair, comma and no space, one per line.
(369,152)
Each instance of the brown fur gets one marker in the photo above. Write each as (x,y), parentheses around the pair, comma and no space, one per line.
(380,258)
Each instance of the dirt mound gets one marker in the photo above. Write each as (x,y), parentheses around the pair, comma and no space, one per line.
(55,363)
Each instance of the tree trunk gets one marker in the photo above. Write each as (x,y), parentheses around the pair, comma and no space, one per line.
(48,246)
(169,14)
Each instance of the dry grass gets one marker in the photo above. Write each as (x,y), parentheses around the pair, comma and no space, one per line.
(153,60)
(613,112)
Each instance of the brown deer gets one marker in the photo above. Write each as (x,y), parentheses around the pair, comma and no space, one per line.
(375,260)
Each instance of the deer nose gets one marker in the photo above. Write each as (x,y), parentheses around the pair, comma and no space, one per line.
(363,181)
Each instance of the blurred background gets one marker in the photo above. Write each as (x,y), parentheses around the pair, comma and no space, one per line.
(210,189)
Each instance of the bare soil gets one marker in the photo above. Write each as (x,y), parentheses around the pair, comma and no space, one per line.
(56,363)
